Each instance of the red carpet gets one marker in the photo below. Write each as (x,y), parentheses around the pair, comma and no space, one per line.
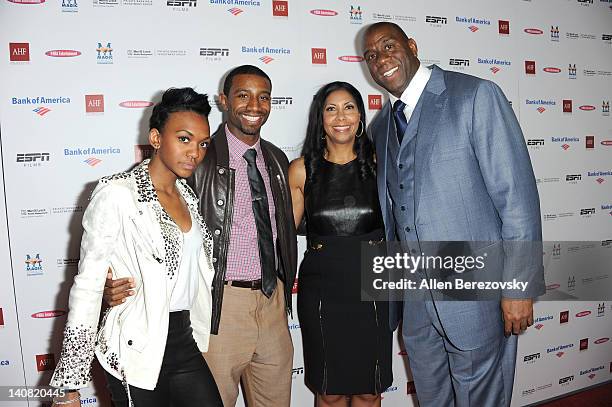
(600,396)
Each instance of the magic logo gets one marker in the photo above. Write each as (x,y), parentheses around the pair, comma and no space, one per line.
(33,265)
(104,53)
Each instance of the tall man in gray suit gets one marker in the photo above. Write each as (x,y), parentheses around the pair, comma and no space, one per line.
(453,166)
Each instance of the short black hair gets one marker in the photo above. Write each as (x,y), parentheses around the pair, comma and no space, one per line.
(387,24)
(243,70)
(178,100)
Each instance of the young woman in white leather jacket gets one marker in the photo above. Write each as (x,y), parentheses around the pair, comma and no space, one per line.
(144,224)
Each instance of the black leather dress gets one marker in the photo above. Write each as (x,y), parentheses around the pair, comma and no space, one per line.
(346,341)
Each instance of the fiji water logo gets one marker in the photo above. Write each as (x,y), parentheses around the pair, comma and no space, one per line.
(70,6)
(34,265)
(235,11)
(266,59)
(41,110)
(554,33)
(356,15)
(105,53)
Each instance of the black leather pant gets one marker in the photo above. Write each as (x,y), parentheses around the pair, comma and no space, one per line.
(184,380)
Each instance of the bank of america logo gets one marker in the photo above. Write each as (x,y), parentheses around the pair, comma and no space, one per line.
(266,59)
(494,69)
(541,109)
(565,146)
(473,28)
(235,11)
(41,111)
(92,161)
(600,180)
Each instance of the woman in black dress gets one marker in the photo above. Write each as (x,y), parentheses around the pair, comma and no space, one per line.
(347,342)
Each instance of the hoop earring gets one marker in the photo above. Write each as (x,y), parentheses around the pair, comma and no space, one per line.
(362,126)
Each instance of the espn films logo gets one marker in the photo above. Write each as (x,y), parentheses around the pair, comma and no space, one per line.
(531,358)
(587,211)
(32,157)
(214,52)
(535,142)
(566,380)
(573,177)
(281,102)
(459,62)
(436,20)
(182,3)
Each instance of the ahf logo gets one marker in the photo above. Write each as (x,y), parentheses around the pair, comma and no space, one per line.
(105,53)
(572,71)
(356,15)
(554,33)
(33,265)
(571,283)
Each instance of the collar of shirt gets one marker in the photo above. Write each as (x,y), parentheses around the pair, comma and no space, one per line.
(414,90)
(237,147)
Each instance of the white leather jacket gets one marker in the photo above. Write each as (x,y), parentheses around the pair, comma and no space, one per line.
(125,228)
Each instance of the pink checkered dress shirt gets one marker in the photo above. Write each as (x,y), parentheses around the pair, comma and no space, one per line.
(243,251)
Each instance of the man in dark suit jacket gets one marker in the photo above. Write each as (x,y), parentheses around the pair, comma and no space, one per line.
(453,166)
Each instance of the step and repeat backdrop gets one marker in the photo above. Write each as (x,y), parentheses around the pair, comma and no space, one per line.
(79,77)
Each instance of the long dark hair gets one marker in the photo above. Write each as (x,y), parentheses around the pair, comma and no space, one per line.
(314,144)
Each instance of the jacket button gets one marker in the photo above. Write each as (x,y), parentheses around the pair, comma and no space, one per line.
(130,342)
(217,232)
(220,202)
(221,171)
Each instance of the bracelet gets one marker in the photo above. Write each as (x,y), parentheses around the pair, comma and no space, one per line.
(66,402)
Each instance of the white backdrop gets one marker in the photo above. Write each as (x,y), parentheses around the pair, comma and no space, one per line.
(78,78)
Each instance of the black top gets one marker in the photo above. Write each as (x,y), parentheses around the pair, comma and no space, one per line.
(340,203)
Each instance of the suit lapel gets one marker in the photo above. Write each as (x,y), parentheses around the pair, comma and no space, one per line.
(380,132)
(433,103)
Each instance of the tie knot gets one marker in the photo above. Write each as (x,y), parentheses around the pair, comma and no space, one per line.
(250,155)
(399,106)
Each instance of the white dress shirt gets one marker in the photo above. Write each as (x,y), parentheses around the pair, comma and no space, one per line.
(413,92)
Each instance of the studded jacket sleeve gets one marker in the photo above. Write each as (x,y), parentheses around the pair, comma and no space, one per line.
(101,227)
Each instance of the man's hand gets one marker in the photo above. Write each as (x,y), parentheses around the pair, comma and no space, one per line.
(517,315)
(116,291)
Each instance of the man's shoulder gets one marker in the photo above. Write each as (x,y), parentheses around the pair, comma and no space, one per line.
(462,81)
(275,151)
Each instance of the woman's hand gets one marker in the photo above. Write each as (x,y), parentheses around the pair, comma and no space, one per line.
(297,179)
(116,291)
(71,399)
